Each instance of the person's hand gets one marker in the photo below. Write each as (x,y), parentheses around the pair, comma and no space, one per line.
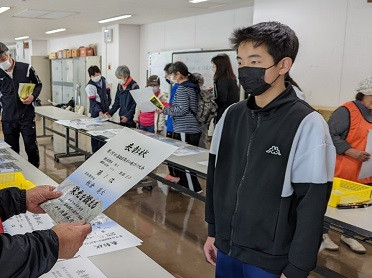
(160,111)
(123,119)
(108,115)
(135,120)
(101,114)
(71,237)
(38,195)
(210,88)
(28,100)
(358,155)
(210,251)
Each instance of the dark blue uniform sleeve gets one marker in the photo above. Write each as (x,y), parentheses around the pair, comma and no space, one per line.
(36,80)
(29,255)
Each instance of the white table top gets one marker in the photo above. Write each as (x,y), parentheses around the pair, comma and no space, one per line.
(56,113)
(132,262)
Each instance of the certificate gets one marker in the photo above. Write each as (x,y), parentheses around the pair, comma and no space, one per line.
(119,165)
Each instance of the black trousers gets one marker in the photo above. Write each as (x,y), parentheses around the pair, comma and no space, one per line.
(96,144)
(187,178)
(27,129)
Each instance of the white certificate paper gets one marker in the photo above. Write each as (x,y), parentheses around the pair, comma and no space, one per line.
(74,268)
(366,170)
(108,174)
(142,98)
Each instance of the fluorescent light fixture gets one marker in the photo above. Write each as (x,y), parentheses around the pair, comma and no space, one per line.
(115,18)
(4,9)
(197,1)
(55,31)
(22,38)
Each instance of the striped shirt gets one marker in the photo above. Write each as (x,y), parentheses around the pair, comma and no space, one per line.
(183,110)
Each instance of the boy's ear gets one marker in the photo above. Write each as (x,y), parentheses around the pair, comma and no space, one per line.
(285,65)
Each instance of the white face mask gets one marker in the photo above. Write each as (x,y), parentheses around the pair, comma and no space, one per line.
(5,65)
(121,81)
(155,89)
(173,79)
(96,78)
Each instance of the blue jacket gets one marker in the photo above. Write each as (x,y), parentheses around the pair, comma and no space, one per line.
(125,101)
(169,119)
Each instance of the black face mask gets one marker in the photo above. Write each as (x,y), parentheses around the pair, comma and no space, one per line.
(168,81)
(253,80)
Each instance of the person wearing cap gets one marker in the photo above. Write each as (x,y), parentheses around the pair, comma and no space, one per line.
(18,116)
(349,126)
(151,121)
(124,101)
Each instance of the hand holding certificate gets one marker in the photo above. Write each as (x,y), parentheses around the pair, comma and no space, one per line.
(119,165)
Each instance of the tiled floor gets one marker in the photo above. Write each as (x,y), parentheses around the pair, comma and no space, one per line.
(173,229)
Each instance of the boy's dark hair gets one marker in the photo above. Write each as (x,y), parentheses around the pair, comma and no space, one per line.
(289,79)
(92,70)
(182,69)
(166,68)
(223,67)
(359,96)
(280,40)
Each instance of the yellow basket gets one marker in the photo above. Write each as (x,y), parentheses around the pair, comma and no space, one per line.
(345,192)
(15,179)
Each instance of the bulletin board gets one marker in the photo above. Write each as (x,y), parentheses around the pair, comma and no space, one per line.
(200,61)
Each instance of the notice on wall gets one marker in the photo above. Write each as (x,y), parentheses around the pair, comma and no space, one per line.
(74,268)
(119,165)
(366,170)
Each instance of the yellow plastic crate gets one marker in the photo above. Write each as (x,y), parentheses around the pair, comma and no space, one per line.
(345,192)
(15,179)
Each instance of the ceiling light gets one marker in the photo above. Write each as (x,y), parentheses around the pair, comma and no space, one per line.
(55,31)
(115,18)
(4,9)
(22,38)
(197,1)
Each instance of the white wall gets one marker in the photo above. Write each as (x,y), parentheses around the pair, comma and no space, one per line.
(76,41)
(335,44)
(210,31)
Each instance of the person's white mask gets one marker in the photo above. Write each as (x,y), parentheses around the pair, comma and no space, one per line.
(96,79)
(121,81)
(155,89)
(5,65)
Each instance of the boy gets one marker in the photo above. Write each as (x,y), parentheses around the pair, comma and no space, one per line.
(270,167)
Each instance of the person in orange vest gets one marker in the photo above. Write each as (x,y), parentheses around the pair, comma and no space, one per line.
(349,126)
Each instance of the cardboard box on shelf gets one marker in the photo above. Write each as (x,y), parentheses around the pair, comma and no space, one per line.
(60,54)
(69,53)
(53,55)
(75,53)
(86,51)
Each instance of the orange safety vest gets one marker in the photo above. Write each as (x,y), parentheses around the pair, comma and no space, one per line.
(347,167)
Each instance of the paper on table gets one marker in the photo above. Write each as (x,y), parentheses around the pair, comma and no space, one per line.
(25,90)
(108,133)
(108,174)
(204,163)
(142,98)
(107,236)
(366,170)
(27,223)
(74,268)
(4,145)
(9,167)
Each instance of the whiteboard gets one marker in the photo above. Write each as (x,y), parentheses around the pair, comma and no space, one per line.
(156,64)
(200,61)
